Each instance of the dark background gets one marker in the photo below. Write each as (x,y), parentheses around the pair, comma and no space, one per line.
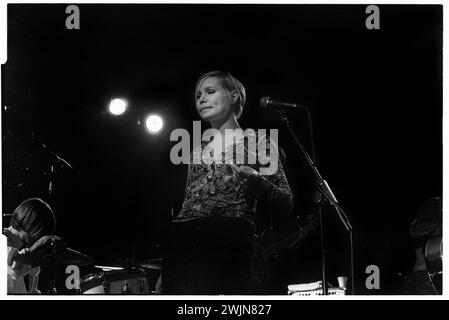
(375,98)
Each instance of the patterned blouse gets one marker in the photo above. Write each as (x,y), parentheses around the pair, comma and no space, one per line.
(214,190)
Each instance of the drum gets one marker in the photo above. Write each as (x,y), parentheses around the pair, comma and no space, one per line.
(115,282)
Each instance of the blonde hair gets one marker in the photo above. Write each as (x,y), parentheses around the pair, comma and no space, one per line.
(230,83)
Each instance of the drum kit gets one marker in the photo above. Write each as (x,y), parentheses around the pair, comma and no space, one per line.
(135,280)
(140,278)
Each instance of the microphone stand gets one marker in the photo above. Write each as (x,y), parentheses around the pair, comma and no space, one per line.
(325,194)
(58,162)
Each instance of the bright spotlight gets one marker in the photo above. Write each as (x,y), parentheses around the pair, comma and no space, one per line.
(117,106)
(154,123)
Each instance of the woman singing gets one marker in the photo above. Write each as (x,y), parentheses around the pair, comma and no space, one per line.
(209,250)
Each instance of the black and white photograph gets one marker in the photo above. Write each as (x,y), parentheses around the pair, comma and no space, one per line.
(222,149)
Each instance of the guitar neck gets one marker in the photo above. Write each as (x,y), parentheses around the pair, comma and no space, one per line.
(274,249)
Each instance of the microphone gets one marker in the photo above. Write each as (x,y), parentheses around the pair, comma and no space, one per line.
(267,102)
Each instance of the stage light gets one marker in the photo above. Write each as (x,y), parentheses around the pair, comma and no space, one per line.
(117,106)
(154,123)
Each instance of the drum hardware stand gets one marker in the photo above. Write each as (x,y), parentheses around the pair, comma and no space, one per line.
(125,289)
(141,285)
(131,262)
(104,283)
(52,270)
(52,289)
(133,257)
(326,194)
(140,282)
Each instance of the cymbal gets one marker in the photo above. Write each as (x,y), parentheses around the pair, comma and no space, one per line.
(155,264)
(109,268)
(63,257)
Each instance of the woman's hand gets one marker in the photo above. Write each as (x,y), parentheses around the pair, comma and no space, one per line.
(246,174)
(253,180)
(13,240)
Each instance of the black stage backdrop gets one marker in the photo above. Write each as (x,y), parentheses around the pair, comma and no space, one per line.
(375,97)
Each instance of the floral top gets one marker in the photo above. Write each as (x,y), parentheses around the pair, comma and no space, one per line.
(214,190)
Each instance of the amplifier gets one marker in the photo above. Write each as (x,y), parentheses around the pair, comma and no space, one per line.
(314,289)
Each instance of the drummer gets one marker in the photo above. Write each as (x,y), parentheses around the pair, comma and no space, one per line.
(30,221)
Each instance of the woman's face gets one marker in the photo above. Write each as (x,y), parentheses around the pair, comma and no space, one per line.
(214,102)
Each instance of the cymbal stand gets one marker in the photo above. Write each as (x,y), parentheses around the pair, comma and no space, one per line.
(52,270)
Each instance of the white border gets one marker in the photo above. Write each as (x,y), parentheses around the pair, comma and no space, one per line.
(3,57)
